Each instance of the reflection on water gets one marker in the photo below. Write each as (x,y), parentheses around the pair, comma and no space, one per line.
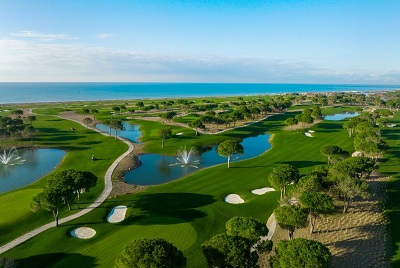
(158,169)
(130,132)
(341,116)
(38,163)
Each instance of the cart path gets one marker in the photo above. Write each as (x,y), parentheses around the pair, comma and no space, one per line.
(95,204)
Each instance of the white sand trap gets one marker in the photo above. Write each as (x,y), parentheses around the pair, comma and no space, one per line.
(310,131)
(357,153)
(117,214)
(263,190)
(178,134)
(234,199)
(83,232)
(392,125)
(308,135)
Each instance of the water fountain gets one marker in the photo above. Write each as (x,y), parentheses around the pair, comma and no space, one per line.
(184,156)
(11,158)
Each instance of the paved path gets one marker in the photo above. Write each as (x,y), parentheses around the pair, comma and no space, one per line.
(97,202)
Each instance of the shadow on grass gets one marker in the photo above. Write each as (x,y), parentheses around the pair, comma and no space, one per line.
(302,164)
(178,205)
(51,259)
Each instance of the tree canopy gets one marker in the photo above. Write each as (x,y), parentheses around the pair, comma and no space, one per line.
(164,133)
(316,203)
(224,250)
(291,217)
(301,253)
(246,227)
(283,175)
(150,253)
(228,148)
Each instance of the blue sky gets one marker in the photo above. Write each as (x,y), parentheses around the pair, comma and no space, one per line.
(201,41)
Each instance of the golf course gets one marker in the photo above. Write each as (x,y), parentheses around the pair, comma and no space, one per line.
(191,209)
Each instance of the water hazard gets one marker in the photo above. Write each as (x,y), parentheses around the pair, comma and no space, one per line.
(27,166)
(158,169)
(341,116)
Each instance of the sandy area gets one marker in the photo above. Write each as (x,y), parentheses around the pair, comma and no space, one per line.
(263,190)
(117,214)
(83,232)
(308,135)
(234,199)
(356,153)
(310,131)
(358,238)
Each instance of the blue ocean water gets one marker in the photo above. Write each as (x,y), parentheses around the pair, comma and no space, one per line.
(60,92)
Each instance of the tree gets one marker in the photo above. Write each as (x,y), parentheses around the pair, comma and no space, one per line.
(168,116)
(94,112)
(29,131)
(140,104)
(316,203)
(283,175)
(196,124)
(50,200)
(246,227)
(300,253)
(17,112)
(291,122)
(82,180)
(330,150)
(116,125)
(228,148)
(116,109)
(87,121)
(352,188)
(62,183)
(316,112)
(224,250)
(31,118)
(151,253)
(291,217)
(164,133)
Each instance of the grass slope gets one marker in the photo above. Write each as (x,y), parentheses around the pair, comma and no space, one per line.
(187,211)
(17,218)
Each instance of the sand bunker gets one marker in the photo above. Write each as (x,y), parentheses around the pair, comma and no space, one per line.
(83,232)
(357,153)
(178,134)
(308,134)
(234,199)
(391,125)
(117,214)
(263,190)
(310,131)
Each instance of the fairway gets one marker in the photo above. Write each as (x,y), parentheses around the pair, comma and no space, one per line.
(190,210)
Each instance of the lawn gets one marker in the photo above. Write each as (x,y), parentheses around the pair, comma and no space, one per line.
(187,211)
(81,144)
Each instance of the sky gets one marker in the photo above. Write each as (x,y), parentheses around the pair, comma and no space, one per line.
(321,41)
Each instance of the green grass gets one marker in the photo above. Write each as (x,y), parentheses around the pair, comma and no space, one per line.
(187,118)
(391,166)
(80,145)
(187,211)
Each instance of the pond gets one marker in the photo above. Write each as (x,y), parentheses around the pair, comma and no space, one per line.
(158,169)
(341,116)
(31,166)
(130,132)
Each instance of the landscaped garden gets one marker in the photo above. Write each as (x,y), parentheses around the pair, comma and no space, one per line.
(190,210)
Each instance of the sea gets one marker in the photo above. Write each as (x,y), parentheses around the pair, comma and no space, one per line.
(11,93)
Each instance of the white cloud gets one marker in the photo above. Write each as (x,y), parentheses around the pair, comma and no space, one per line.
(104,35)
(23,60)
(42,36)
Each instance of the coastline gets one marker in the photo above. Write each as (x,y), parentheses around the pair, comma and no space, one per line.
(39,93)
